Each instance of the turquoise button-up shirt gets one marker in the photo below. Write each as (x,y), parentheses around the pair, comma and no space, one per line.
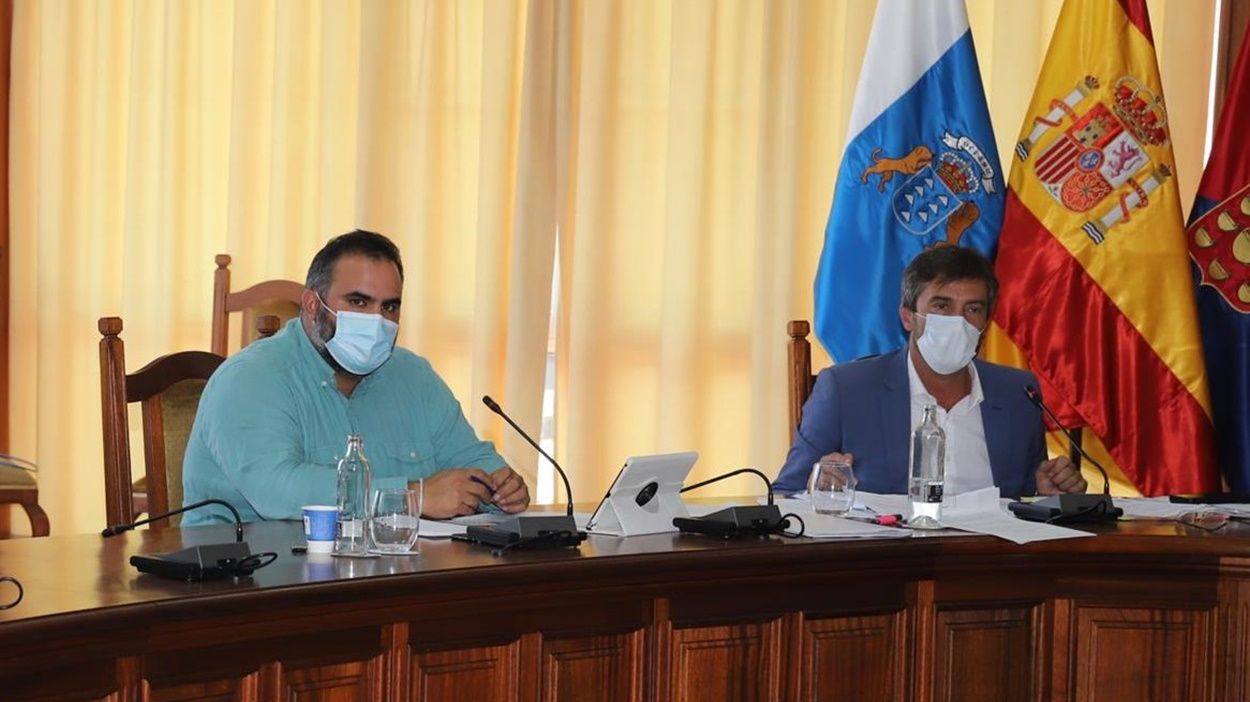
(272,425)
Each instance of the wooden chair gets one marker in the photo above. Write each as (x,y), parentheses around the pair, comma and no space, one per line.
(801,380)
(18,486)
(169,390)
(279,299)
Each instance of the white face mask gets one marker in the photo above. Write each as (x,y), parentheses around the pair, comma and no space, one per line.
(948,342)
(361,342)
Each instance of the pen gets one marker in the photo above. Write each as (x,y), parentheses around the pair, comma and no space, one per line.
(489,487)
(883,520)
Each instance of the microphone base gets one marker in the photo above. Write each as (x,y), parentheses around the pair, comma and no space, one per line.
(530,532)
(1068,509)
(758,521)
(197,563)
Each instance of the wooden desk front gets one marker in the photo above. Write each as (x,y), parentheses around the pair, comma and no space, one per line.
(1145,611)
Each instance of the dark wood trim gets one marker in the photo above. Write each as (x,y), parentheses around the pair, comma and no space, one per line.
(1234,16)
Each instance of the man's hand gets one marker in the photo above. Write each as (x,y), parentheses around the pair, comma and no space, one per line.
(511,494)
(1058,476)
(454,492)
(835,456)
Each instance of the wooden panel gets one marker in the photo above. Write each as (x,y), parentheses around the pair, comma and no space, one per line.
(235,690)
(1233,626)
(854,658)
(731,663)
(611,666)
(337,682)
(986,654)
(1142,654)
(474,675)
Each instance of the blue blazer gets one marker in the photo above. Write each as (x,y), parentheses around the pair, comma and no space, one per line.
(864,408)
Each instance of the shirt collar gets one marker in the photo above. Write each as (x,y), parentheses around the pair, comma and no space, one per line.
(974,396)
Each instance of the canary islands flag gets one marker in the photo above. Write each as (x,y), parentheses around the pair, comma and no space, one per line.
(920,168)
(1096,287)
(1219,247)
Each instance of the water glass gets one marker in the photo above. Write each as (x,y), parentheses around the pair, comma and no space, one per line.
(396,519)
(832,487)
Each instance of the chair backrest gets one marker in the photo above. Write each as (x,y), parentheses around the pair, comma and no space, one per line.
(801,380)
(168,390)
(276,298)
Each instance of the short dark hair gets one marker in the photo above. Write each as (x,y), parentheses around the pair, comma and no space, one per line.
(360,243)
(943,264)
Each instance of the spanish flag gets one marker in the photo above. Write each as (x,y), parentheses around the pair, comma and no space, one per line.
(1096,286)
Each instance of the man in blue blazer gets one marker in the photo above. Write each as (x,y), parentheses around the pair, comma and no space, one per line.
(864,411)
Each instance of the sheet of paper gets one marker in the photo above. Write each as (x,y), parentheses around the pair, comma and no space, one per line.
(982,512)
(827,526)
(439,529)
(1153,507)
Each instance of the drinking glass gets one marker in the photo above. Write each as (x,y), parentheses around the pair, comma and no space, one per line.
(396,519)
(832,487)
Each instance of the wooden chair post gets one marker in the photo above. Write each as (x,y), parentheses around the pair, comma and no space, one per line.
(221,288)
(117,478)
(157,485)
(800,370)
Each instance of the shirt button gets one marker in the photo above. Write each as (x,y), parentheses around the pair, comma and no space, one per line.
(325,383)
(412,454)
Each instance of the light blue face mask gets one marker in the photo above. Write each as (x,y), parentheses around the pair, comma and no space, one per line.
(361,342)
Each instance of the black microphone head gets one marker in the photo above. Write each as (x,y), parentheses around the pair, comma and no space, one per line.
(116,529)
(1034,395)
(494,406)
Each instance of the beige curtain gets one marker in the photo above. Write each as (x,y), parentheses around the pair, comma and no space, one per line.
(699,160)
(149,136)
(684,151)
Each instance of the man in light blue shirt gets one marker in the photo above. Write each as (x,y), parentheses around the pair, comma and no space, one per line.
(274,419)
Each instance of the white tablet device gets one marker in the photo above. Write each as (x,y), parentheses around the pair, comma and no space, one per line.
(645,496)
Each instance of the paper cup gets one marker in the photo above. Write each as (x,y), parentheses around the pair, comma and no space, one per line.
(321,524)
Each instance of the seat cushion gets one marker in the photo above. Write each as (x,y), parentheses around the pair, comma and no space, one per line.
(16,479)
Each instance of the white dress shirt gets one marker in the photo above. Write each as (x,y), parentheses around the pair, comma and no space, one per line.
(967,457)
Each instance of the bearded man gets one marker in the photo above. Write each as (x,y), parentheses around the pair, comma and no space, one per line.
(274,419)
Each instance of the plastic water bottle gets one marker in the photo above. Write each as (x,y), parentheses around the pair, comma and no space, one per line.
(928,471)
(354,478)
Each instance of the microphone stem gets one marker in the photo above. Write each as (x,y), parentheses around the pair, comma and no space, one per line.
(238,520)
(731,474)
(1106,480)
(568,490)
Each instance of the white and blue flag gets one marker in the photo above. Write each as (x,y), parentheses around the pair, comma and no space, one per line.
(920,169)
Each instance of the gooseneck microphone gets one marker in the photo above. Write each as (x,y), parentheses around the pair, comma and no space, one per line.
(767,483)
(208,562)
(494,407)
(528,531)
(1036,398)
(1072,507)
(238,521)
(738,521)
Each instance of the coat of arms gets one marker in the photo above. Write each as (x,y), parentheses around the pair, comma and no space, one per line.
(938,190)
(1101,155)
(1219,243)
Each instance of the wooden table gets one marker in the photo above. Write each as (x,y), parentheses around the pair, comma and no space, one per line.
(1143,611)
